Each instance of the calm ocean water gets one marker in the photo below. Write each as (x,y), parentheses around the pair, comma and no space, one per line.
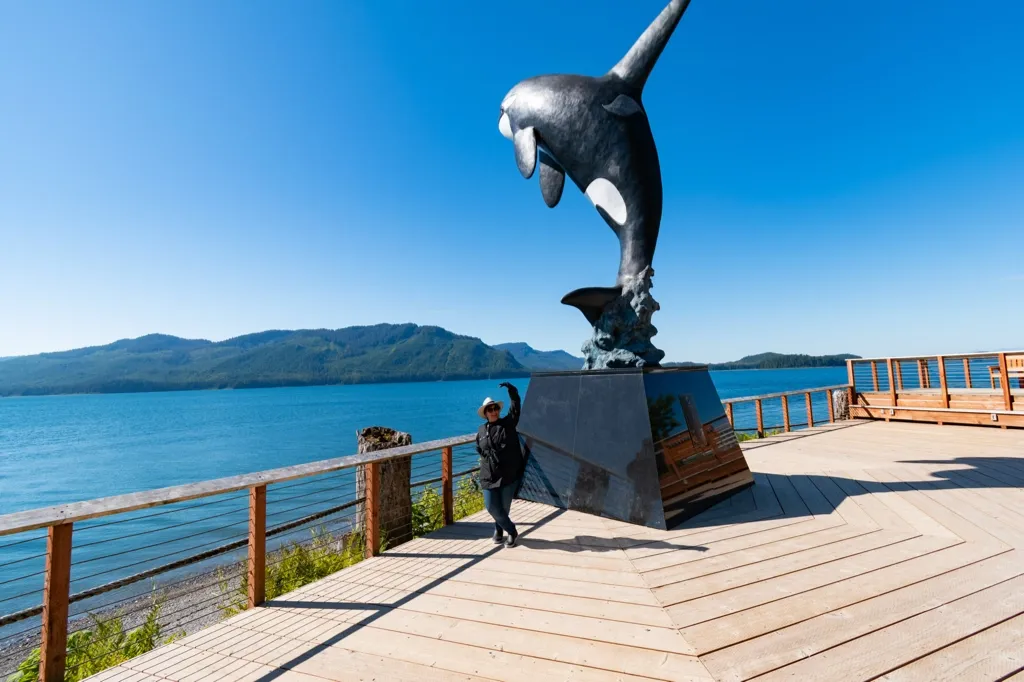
(58,449)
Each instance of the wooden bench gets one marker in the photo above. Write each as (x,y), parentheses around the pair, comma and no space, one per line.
(1014,370)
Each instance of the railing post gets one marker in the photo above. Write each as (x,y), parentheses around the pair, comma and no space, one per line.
(898,369)
(942,382)
(372,503)
(760,418)
(853,386)
(810,410)
(56,587)
(257,568)
(831,407)
(874,374)
(785,413)
(446,486)
(967,373)
(892,384)
(728,414)
(922,372)
(1004,381)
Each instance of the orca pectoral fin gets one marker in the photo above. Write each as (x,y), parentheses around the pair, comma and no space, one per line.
(552,180)
(592,301)
(623,106)
(525,143)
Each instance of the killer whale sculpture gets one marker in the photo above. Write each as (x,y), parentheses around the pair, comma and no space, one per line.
(595,130)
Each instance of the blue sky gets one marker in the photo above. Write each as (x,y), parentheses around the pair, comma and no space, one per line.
(838,178)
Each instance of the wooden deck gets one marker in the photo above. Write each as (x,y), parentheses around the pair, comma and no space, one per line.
(870,550)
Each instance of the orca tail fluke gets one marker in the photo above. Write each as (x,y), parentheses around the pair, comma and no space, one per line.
(636,66)
(592,301)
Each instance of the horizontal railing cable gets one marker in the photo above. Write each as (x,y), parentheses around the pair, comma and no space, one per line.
(164,568)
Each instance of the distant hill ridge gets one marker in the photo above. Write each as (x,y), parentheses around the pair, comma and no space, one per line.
(541,359)
(305,357)
(777,361)
(158,362)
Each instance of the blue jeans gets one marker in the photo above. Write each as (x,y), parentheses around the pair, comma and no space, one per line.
(498,502)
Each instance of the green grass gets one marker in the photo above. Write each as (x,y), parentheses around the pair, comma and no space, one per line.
(753,436)
(102,646)
(296,564)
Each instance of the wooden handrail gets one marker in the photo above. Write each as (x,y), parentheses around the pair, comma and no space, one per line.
(34,519)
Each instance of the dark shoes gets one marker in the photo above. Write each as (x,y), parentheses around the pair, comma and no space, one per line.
(510,541)
(498,537)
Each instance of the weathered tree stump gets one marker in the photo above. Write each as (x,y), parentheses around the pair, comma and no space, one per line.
(395,481)
(841,404)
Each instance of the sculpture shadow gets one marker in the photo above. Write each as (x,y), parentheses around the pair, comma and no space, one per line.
(591,543)
(478,530)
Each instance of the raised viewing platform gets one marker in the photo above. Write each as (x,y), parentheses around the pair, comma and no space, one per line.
(865,549)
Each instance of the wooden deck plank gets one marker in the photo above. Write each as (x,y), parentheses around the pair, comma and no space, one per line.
(756,553)
(664,570)
(532,599)
(853,487)
(831,630)
(926,500)
(789,499)
(850,541)
(913,516)
(847,506)
(776,588)
(988,655)
(890,647)
(651,555)
(975,509)
(759,621)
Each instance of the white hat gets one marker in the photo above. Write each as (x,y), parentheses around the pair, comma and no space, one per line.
(489,401)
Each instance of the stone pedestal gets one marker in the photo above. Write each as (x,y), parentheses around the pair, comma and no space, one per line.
(649,446)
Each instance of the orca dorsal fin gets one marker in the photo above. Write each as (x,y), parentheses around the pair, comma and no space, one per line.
(636,66)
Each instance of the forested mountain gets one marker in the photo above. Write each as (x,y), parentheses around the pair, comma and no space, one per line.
(157,362)
(541,360)
(777,361)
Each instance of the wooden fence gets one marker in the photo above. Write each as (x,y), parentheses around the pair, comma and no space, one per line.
(969,388)
(787,424)
(60,522)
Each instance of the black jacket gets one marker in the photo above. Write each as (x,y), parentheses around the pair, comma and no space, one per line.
(501,457)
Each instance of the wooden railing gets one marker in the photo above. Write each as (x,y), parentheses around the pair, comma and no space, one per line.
(787,424)
(60,522)
(967,388)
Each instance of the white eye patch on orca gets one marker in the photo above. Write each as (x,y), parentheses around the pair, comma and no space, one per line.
(505,126)
(603,194)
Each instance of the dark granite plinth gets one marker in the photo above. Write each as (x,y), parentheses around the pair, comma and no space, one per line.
(646,446)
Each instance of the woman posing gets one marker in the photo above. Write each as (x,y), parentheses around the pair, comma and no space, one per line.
(501,462)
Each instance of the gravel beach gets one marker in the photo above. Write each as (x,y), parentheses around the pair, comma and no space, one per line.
(188,605)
